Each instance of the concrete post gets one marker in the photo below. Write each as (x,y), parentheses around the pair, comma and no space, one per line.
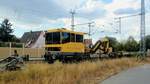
(23,49)
(9,48)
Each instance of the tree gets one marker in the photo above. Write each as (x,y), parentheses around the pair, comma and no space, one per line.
(120,46)
(113,43)
(131,45)
(6,31)
(15,39)
(147,38)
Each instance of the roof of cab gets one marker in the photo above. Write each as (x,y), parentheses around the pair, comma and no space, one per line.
(65,30)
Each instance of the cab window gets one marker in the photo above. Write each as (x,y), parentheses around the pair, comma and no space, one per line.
(53,38)
(79,38)
(49,38)
(72,37)
(56,37)
(65,37)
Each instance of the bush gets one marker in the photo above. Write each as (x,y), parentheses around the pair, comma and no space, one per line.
(14,45)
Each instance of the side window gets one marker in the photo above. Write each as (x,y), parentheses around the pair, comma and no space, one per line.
(56,37)
(49,38)
(79,38)
(65,37)
(72,37)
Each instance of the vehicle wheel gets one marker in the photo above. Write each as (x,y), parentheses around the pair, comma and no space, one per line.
(50,60)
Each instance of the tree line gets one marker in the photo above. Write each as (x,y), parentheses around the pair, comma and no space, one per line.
(130,45)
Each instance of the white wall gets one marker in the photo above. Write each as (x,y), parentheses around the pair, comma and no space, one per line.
(40,42)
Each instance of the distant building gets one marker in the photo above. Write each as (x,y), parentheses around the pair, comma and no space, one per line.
(33,39)
(88,42)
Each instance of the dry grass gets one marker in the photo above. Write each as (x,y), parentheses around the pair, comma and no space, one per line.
(81,73)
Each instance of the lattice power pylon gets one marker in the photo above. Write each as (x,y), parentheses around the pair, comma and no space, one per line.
(72,19)
(142,30)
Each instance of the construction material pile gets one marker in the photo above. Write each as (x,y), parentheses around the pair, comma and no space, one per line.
(11,63)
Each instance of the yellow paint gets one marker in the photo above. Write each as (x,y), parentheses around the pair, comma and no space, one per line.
(65,30)
(69,47)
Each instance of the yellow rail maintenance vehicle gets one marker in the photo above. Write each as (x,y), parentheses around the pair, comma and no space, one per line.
(66,45)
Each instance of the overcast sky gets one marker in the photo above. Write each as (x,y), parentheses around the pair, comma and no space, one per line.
(27,15)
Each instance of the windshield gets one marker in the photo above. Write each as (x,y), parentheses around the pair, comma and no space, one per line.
(65,37)
(79,38)
(53,38)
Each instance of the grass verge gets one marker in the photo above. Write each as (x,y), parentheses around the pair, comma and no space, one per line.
(58,73)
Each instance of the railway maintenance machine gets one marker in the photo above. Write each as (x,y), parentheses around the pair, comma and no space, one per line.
(66,45)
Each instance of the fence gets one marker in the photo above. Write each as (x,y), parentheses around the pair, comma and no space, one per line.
(7,49)
(5,52)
